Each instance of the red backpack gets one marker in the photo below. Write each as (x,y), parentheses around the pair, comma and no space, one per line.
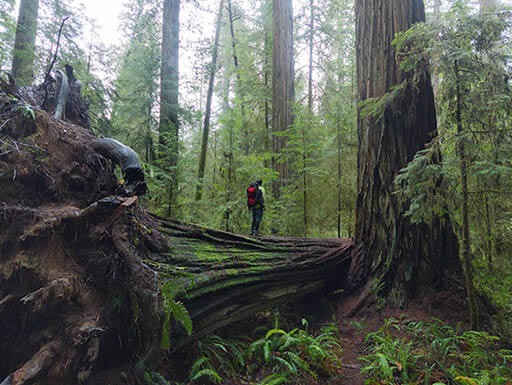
(251,194)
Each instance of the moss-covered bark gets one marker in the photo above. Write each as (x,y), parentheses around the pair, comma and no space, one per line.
(223,277)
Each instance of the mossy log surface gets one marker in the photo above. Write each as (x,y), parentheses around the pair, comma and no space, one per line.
(223,277)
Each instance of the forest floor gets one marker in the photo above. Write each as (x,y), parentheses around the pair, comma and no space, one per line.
(447,306)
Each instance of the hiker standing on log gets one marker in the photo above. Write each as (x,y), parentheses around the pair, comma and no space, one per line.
(256,204)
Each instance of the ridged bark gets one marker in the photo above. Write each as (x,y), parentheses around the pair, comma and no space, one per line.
(405,257)
(283,92)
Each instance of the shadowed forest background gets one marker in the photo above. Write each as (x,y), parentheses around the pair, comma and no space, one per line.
(359,126)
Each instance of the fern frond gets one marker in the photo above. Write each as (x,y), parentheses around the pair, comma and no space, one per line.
(181,314)
(300,363)
(267,351)
(274,379)
(287,365)
(271,332)
(209,374)
(200,363)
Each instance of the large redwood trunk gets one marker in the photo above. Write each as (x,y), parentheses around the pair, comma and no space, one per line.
(404,256)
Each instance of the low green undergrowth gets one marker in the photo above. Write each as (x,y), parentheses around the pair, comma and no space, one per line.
(434,353)
(278,357)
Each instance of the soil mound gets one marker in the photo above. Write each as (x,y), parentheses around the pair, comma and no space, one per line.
(72,289)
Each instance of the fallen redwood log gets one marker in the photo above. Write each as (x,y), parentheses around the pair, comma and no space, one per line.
(104,295)
(223,278)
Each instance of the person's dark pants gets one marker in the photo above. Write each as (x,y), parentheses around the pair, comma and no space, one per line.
(257,216)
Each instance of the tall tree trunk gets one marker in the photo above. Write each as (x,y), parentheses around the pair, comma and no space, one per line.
(268,118)
(339,169)
(339,147)
(283,92)
(466,246)
(407,258)
(310,108)
(240,91)
(227,156)
(25,43)
(169,108)
(208,108)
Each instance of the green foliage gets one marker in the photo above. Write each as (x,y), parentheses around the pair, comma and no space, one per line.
(421,182)
(375,107)
(218,359)
(414,353)
(296,352)
(178,312)
(468,52)
(136,85)
(155,378)
(273,379)
(52,14)
(287,355)
(202,371)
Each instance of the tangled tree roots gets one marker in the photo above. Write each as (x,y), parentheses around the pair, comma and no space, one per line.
(81,271)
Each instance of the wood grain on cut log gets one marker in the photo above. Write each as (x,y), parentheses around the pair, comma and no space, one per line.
(223,278)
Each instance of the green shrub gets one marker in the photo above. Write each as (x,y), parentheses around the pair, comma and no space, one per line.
(415,353)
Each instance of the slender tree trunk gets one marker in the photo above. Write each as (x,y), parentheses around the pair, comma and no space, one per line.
(437,12)
(489,232)
(310,58)
(339,149)
(208,108)
(228,155)
(283,93)
(407,258)
(310,108)
(245,126)
(245,144)
(169,108)
(268,118)
(215,157)
(230,179)
(340,171)
(466,245)
(25,43)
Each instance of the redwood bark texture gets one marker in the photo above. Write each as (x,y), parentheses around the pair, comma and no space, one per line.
(405,257)
(283,91)
(223,278)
